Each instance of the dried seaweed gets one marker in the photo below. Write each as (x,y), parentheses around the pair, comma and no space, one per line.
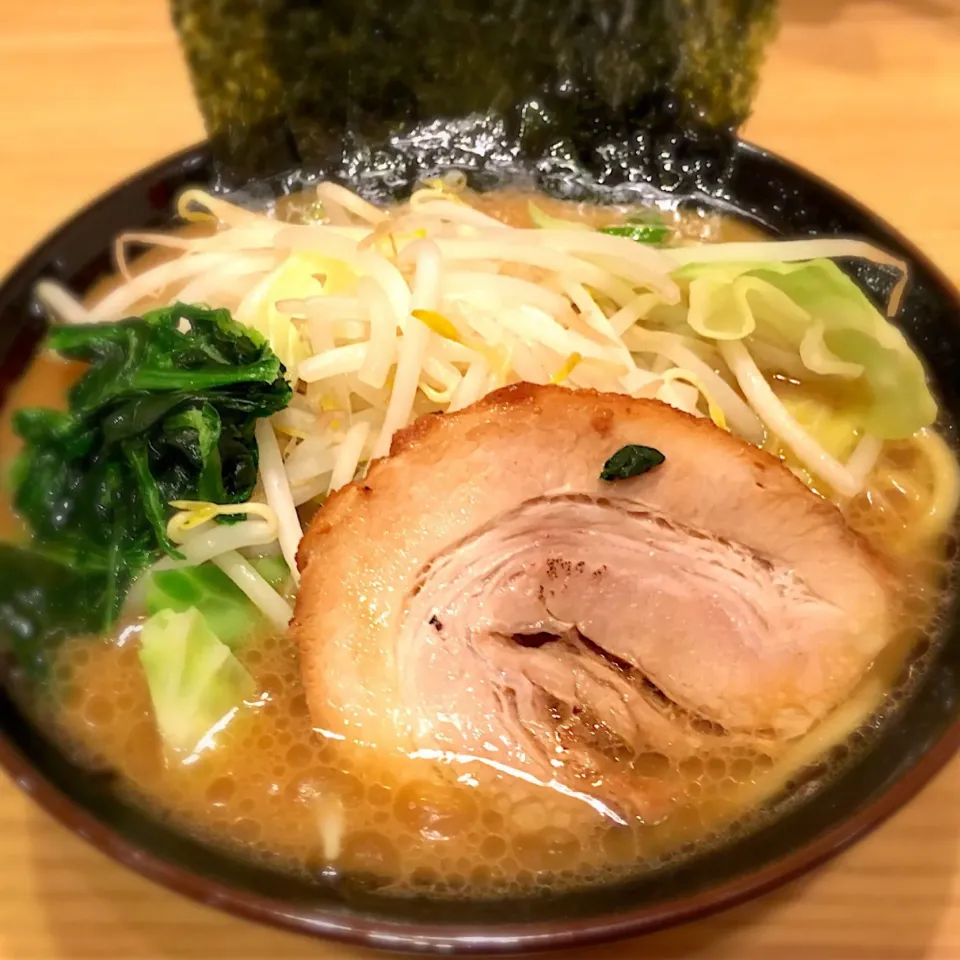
(287,84)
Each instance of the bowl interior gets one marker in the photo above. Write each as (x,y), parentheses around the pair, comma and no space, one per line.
(756,186)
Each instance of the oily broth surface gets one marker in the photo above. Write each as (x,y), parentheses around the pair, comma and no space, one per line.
(273,790)
(265,789)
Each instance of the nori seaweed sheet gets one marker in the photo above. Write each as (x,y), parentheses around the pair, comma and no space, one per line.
(353,86)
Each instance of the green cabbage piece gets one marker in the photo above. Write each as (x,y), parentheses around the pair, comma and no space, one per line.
(232,616)
(195,681)
(834,426)
(814,307)
(275,571)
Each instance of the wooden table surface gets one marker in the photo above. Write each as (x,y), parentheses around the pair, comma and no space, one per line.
(864,92)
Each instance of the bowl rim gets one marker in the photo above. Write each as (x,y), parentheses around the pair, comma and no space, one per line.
(501,938)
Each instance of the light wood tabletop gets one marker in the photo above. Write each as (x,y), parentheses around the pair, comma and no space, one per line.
(865,93)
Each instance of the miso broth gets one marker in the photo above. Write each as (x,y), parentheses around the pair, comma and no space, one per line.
(274,790)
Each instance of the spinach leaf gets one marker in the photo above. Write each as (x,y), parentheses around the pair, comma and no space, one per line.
(43,602)
(166,411)
(631,461)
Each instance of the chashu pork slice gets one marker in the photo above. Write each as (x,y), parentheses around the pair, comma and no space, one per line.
(484,597)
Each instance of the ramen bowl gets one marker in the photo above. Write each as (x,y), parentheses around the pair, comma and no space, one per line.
(815,819)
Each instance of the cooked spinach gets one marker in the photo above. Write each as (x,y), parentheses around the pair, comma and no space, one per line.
(631,461)
(162,414)
(42,602)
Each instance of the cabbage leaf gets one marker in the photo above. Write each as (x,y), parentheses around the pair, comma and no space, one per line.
(230,613)
(297,278)
(195,681)
(815,308)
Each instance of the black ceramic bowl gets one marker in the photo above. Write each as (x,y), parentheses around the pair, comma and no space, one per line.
(925,734)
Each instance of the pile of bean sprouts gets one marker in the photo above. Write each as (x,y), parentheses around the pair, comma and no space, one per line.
(383,315)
